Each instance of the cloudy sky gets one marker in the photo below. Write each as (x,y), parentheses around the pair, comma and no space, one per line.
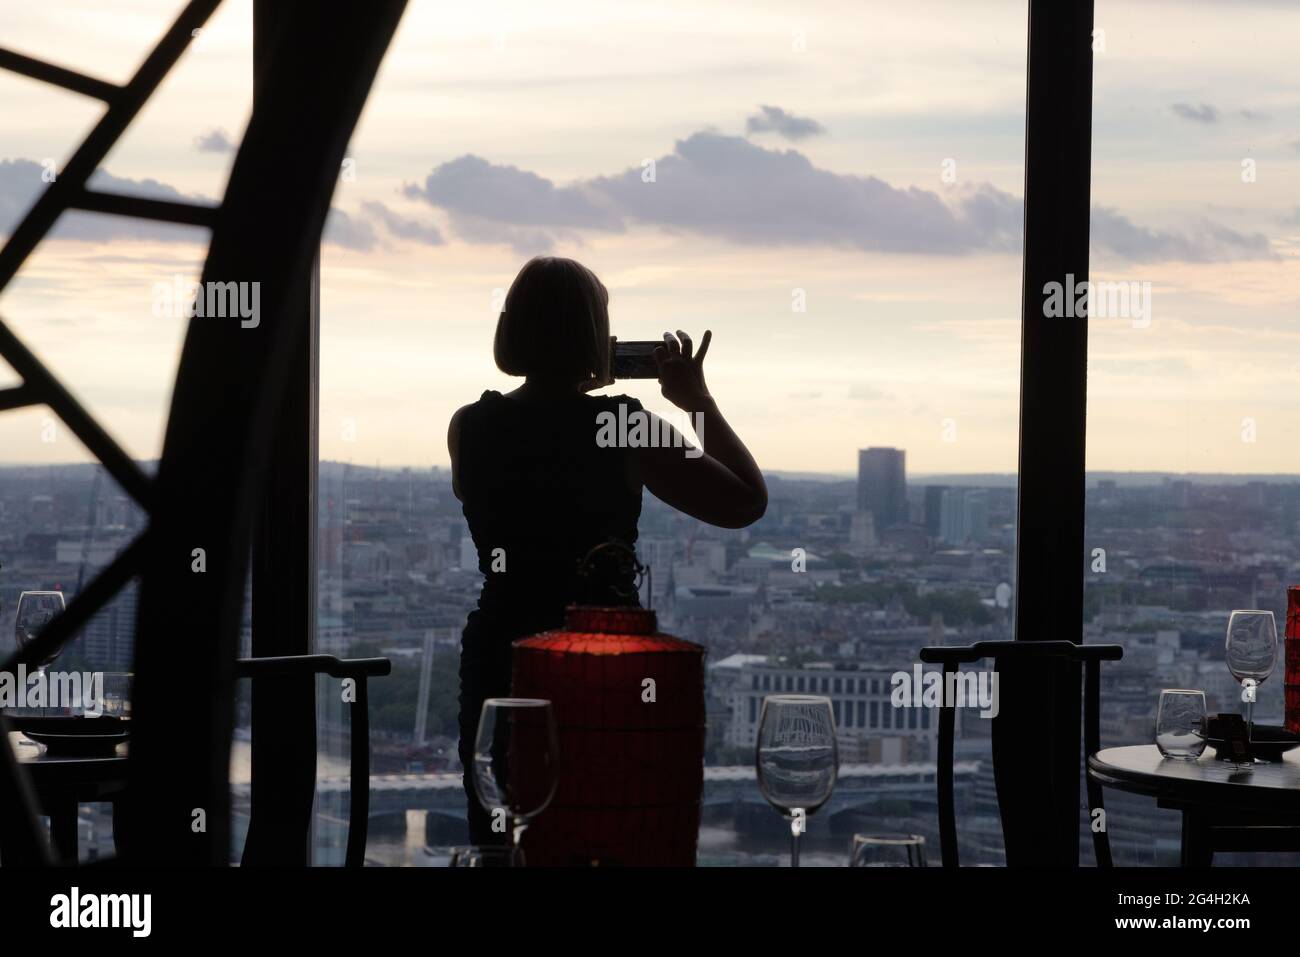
(865,164)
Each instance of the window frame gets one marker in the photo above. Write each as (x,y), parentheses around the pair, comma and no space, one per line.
(1039,718)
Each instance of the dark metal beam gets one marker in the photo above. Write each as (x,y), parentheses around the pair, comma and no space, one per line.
(58,76)
(18,397)
(39,381)
(20,832)
(1036,732)
(126,104)
(229,395)
(284,541)
(141,207)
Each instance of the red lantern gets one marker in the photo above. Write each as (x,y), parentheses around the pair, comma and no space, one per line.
(629,706)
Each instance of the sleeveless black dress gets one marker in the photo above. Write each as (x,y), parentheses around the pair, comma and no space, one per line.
(538,494)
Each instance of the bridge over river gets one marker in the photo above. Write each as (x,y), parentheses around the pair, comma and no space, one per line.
(731,796)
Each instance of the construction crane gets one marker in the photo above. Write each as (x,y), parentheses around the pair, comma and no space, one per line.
(421,735)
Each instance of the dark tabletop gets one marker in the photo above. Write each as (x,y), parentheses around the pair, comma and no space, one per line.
(91,777)
(1207,780)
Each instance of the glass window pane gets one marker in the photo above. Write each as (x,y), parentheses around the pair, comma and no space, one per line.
(98,303)
(1192,498)
(837,198)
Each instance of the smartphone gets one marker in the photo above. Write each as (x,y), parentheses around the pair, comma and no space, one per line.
(634,360)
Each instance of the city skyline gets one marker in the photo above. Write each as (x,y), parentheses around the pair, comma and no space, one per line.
(982,551)
(398,573)
(1136,477)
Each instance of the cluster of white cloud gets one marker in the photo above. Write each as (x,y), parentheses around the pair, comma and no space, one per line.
(728,187)
(712,184)
(1209,113)
(357,232)
(773,119)
(22,180)
(214,141)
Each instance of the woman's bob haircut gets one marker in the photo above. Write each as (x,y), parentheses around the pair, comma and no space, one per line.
(555,324)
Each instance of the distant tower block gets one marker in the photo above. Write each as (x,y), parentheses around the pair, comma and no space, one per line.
(862,532)
(882,486)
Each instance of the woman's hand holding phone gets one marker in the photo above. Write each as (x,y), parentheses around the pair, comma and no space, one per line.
(681,370)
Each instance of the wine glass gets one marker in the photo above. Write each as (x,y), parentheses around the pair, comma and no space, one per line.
(36,609)
(116,692)
(1251,652)
(515,762)
(797,758)
(485,856)
(887,850)
(1180,724)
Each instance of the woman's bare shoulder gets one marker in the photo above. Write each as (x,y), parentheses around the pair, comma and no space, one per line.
(458,417)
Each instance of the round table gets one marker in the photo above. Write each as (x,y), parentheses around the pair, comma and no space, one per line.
(61,783)
(1225,806)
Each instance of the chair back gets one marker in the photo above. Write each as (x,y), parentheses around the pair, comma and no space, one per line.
(263,843)
(1029,827)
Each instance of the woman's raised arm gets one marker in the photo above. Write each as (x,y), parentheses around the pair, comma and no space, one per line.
(723,486)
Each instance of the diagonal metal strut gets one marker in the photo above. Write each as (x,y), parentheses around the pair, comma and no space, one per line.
(24,837)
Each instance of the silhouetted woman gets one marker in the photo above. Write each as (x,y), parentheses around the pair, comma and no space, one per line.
(539,491)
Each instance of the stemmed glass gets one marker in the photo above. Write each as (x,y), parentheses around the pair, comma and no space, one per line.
(36,609)
(797,758)
(516,758)
(1251,652)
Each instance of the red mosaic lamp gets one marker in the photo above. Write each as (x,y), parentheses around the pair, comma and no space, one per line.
(629,706)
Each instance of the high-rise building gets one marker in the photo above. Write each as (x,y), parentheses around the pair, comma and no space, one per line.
(934,509)
(868,724)
(862,532)
(963,516)
(109,637)
(882,486)
(657,555)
